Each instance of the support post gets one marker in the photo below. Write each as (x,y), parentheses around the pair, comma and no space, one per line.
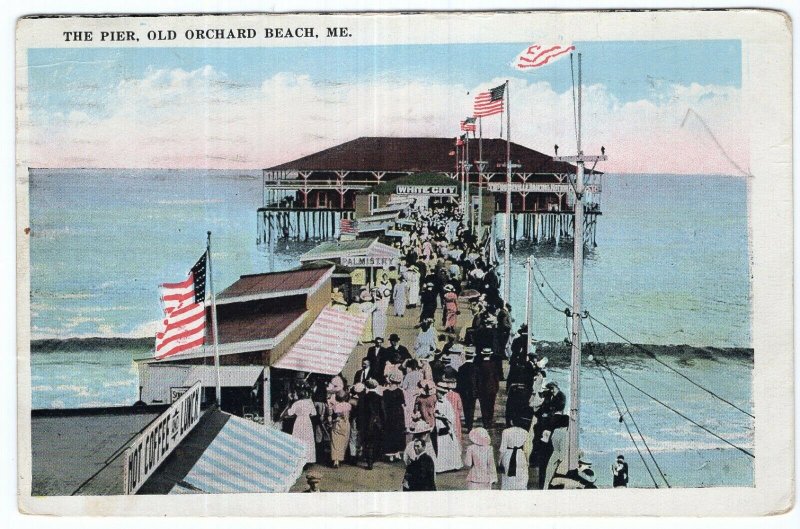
(214,319)
(507,230)
(577,299)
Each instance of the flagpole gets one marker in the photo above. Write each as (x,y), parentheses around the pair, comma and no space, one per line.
(213,319)
(467,205)
(507,230)
(480,175)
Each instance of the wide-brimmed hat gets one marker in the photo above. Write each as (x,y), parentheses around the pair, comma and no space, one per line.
(313,476)
(457,349)
(480,436)
(359,387)
(378,339)
(450,288)
(445,385)
(395,377)
(365,295)
(587,474)
(542,362)
(469,351)
(394,338)
(487,351)
(338,297)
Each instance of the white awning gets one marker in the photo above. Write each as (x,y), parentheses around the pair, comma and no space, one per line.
(229,376)
(327,344)
(246,457)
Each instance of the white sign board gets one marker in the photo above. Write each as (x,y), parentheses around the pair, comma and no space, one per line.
(366,261)
(160,438)
(539,187)
(440,191)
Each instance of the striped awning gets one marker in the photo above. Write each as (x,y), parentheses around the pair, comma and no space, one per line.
(246,457)
(326,346)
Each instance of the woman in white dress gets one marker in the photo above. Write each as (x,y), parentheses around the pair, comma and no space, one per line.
(399,295)
(480,460)
(515,449)
(303,409)
(413,285)
(381,307)
(448,449)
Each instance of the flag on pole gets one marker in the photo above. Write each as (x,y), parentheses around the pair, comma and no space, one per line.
(184,324)
(490,102)
(348,226)
(538,55)
(468,125)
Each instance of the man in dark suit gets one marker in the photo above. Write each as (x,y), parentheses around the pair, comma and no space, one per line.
(394,353)
(374,350)
(365,373)
(466,387)
(619,471)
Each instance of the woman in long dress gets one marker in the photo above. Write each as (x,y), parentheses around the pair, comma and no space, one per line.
(448,449)
(399,294)
(413,277)
(515,449)
(411,389)
(340,427)
(394,436)
(303,409)
(367,307)
(383,293)
(480,460)
(450,308)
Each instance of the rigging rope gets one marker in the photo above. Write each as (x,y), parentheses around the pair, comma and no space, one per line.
(640,390)
(652,355)
(621,416)
(625,403)
(647,351)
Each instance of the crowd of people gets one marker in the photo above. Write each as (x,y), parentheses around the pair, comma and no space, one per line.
(415,403)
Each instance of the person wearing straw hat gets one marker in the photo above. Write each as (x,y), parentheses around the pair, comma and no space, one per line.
(339,416)
(367,307)
(582,477)
(466,386)
(450,308)
(488,384)
(448,448)
(479,458)
(425,343)
(514,451)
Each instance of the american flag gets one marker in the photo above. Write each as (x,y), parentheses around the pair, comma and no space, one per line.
(348,226)
(538,55)
(184,324)
(490,102)
(468,125)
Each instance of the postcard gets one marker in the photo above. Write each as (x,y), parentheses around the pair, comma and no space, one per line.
(436,264)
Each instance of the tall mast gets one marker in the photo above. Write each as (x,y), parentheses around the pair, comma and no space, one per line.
(507,230)
(580,160)
(214,318)
(481,166)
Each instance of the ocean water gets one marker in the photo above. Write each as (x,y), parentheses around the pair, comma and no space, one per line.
(671,267)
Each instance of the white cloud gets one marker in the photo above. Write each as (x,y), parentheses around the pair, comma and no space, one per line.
(202,118)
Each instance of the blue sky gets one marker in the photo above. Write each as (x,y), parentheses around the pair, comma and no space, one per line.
(255,107)
(62,80)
